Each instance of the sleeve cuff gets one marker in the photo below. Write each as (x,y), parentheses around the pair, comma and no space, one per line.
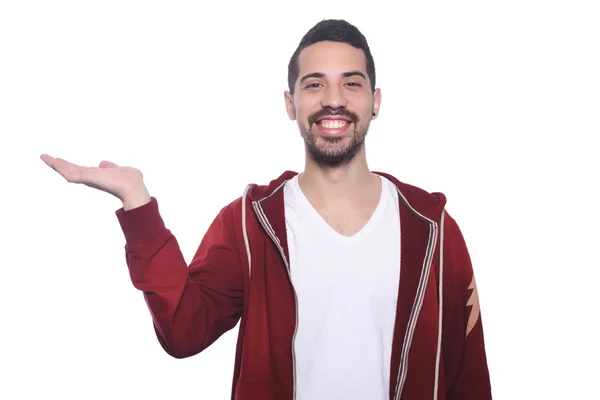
(143,224)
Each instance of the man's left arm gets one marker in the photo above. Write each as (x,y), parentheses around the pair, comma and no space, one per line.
(465,363)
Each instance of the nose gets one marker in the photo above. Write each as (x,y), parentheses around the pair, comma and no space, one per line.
(333,97)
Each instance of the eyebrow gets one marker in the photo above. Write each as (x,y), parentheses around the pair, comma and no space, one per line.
(322,75)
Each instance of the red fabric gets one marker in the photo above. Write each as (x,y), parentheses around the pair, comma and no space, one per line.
(192,306)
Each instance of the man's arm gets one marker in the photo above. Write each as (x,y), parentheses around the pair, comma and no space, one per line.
(193,306)
(465,362)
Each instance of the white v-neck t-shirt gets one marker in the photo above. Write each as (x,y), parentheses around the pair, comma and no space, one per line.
(347,290)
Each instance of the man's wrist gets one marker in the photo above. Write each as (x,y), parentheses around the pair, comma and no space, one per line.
(136,198)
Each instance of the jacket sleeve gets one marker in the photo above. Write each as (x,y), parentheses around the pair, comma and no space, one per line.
(193,306)
(465,362)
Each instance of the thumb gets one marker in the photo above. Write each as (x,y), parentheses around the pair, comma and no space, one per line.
(107,164)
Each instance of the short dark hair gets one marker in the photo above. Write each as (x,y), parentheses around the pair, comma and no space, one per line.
(335,30)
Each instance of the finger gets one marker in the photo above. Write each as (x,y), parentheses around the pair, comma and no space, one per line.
(56,163)
(71,172)
(49,160)
(107,164)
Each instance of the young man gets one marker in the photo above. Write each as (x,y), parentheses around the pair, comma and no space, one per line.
(348,284)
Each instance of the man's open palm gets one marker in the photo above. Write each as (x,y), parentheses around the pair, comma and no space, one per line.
(108,176)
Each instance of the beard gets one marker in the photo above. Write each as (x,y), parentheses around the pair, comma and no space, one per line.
(333,152)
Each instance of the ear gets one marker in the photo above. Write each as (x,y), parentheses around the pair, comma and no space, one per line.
(289,104)
(376,103)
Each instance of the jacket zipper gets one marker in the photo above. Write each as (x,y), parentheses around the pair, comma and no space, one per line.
(427,263)
(271,233)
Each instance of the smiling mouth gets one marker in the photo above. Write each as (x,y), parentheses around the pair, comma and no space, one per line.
(332,123)
(333,127)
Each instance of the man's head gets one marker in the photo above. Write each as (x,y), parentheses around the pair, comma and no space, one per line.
(332,94)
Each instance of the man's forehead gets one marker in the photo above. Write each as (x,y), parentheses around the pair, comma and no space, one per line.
(331,58)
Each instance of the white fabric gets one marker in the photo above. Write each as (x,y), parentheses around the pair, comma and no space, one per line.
(347,290)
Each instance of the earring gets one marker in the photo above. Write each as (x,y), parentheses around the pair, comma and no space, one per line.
(373,114)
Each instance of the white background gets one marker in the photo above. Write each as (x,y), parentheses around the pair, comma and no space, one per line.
(496,104)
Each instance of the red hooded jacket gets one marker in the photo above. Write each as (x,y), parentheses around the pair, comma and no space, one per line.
(240,273)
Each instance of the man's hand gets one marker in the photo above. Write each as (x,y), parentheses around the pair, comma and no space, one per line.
(125,183)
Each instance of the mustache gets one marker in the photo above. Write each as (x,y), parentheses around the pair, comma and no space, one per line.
(327,111)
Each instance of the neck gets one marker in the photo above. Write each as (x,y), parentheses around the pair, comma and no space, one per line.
(342,185)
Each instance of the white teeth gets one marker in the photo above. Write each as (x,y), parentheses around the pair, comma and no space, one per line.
(335,124)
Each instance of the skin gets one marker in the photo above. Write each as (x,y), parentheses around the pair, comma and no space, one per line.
(336,178)
(125,183)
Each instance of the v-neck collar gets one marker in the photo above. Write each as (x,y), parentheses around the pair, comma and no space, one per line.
(330,231)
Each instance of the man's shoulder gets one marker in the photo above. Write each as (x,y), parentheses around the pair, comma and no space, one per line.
(257,192)
(427,203)
(263,191)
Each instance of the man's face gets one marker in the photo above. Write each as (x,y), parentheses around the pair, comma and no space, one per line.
(333,102)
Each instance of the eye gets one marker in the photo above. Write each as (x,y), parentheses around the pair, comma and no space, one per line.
(313,85)
(354,84)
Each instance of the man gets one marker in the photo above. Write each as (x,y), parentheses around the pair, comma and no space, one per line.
(348,284)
